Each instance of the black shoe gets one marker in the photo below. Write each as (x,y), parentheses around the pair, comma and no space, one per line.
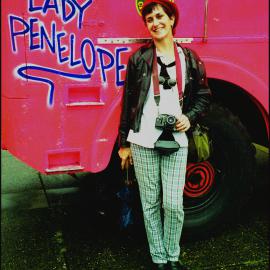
(177,266)
(160,266)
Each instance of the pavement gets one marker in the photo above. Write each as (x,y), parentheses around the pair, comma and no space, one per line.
(70,226)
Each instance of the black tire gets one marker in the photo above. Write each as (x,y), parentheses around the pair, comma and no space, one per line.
(216,189)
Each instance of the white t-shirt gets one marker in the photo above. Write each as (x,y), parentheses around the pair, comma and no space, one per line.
(169,104)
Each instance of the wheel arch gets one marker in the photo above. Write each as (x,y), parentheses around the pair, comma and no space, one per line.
(237,75)
(244,93)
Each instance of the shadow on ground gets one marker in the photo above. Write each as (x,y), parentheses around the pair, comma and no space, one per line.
(84,236)
(79,230)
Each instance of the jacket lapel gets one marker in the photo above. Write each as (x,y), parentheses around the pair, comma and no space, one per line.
(148,54)
(187,64)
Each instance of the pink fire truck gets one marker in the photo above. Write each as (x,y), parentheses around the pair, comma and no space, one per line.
(63,68)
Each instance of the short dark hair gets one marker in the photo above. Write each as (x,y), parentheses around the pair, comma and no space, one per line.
(149,8)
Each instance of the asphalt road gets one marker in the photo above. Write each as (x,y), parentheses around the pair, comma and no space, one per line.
(73,227)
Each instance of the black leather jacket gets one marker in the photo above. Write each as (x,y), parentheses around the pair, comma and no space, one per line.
(196,97)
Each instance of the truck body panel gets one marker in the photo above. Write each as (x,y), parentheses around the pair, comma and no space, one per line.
(63,70)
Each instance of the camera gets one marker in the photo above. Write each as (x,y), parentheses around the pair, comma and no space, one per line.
(166,122)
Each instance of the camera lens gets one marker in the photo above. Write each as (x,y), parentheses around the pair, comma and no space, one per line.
(171,120)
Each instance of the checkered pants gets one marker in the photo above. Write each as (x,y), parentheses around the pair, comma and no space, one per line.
(153,171)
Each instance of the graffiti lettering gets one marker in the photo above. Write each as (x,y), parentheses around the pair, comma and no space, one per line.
(13,33)
(62,45)
(101,54)
(73,61)
(92,48)
(38,39)
(119,66)
(71,6)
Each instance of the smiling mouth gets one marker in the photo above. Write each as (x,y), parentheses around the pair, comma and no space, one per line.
(158,29)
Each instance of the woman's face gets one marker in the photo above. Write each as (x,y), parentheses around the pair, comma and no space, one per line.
(159,24)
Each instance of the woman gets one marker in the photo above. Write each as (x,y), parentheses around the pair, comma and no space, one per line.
(162,79)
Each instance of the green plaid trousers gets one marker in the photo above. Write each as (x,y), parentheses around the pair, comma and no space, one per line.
(154,171)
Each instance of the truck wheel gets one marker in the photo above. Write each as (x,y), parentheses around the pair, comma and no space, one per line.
(216,189)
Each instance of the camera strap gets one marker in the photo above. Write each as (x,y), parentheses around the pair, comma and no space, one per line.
(178,75)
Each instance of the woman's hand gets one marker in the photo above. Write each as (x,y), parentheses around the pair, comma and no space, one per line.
(126,157)
(182,123)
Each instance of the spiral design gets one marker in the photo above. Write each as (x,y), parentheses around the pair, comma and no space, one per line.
(199,179)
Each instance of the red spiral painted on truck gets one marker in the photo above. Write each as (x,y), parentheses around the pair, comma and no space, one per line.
(199,179)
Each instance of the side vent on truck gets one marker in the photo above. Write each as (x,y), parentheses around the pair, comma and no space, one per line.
(83,96)
(64,161)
